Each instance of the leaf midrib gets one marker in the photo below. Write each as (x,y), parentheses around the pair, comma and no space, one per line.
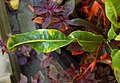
(113,8)
(37,41)
(85,41)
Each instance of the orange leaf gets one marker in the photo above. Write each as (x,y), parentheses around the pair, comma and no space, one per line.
(88,11)
(95,7)
(105,56)
(64,28)
(38,20)
(87,72)
(105,59)
(54,20)
(77,52)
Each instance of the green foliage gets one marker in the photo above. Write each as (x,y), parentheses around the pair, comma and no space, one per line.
(87,40)
(111,33)
(112,8)
(42,40)
(116,59)
(117,75)
(116,63)
(114,51)
(117,38)
(47,40)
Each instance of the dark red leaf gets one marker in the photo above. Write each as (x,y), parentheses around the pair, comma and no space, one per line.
(45,63)
(46,21)
(59,24)
(69,7)
(3,52)
(74,46)
(53,73)
(87,72)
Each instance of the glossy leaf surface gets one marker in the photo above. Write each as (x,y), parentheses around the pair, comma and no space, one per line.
(112,8)
(117,75)
(114,51)
(116,60)
(117,38)
(41,40)
(116,63)
(111,33)
(89,41)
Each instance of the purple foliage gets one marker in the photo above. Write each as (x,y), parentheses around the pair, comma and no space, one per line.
(47,9)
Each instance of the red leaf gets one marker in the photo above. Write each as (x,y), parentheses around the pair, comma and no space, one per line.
(77,52)
(105,56)
(95,8)
(87,72)
(105,59)
(93,11)
(88,11)
(71,69)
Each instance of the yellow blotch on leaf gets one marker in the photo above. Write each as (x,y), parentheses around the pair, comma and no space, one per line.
(14,4)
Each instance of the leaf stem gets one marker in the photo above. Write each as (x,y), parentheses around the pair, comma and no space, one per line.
(109,46)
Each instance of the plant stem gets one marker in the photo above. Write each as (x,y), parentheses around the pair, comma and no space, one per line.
(109,46)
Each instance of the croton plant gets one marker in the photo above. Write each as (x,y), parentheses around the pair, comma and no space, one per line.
(93,25)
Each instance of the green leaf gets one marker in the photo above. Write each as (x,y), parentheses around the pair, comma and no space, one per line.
(117,75)
(114,51)
(116,60)
(42,40)
(111,33)
(89,41)
(115,63)
(117,38)
(112,8)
